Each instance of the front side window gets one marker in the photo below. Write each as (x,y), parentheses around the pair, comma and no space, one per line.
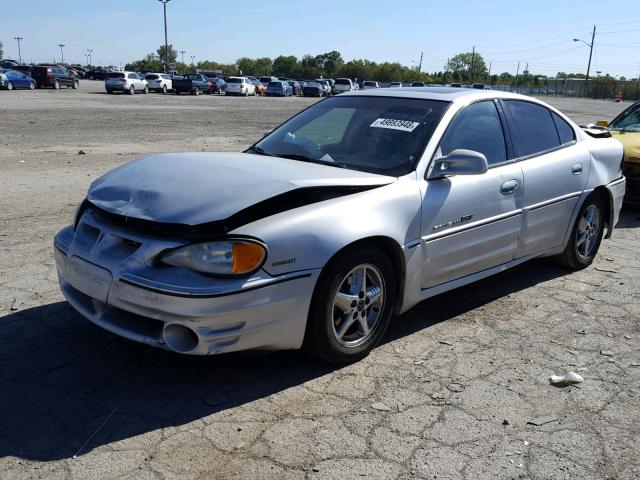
(372,134)
(629,120)
(533,129)
(478,128)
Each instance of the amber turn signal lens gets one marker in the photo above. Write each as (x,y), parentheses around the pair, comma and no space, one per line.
(247,256)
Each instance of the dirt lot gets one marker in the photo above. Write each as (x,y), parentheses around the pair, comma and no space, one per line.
(454,385)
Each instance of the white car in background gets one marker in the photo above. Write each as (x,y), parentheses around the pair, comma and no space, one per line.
(395,85)
(369,85)
(240,86)
(342,85)
(129,82)
(159,82)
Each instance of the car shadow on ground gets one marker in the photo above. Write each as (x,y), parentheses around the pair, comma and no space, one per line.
(68,387)
(629,216)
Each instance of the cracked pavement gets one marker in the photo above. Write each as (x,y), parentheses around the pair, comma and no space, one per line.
(449,395)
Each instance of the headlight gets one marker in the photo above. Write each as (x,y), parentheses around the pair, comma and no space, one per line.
(229,257)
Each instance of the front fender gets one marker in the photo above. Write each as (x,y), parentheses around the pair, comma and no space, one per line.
(307,237)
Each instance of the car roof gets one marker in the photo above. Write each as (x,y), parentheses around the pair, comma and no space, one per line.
(447,94)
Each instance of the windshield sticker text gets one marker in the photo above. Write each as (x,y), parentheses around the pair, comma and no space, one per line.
(402,125)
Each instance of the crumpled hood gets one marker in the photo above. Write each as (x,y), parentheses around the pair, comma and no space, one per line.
(196,188)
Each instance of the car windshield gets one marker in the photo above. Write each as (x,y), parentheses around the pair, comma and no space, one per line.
(628,120)
(371,134)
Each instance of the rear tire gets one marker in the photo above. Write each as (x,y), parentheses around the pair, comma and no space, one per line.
(146,89)
(75,85)
(56,85)
(164,89)
(32,86)
(196,91)
(586,234)
(340,310)
(10,86)
(132,90)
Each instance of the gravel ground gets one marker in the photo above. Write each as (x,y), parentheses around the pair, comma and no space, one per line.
(450,395)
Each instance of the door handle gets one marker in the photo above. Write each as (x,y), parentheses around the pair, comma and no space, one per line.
(509,187)
(576,168)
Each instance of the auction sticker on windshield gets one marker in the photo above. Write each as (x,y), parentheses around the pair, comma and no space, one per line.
(403,125)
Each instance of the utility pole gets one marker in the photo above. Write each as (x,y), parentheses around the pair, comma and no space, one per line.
(166,42)
(182,52)
(489,76)
(89,53)
(61,45)
(517,73)
(192,57)
(473,62)
(590,45)
(526,72)
(19,51)
(420,64)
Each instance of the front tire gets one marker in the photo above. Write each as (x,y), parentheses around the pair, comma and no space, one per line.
(132,90)
(32,85)
(586,234)
(351,306)
(10,86)
(75,85)
(164,89)
(56,85)
(146,89)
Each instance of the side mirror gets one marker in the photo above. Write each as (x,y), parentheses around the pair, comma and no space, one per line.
(459,162)
(602,123)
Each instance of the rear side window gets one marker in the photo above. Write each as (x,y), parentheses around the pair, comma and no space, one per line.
(133,75)
(151,77)
(565,132)
(478,128)
(532,128)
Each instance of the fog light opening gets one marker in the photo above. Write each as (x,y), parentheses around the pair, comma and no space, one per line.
(180,338)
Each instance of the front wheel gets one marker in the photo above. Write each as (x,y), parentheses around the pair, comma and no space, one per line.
(75,85)
(32,85)
(56,85)
(351,306)
(10,86)
(586,235)
(132,90)
(146,89)
(164,89)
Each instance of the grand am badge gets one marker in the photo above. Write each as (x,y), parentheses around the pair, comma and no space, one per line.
(451,223)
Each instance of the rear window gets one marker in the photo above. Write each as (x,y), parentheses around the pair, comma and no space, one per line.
(370,84)
(152,77)
(115,75)
(265,79)
(534,130)
(275,84)
(234,80)
(343,81)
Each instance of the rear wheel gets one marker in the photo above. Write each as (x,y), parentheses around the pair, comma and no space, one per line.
(586,235)
(351,306)
(32,85)
(56,85)
(146,89)
(132,90)
(75,85)
(10,86)
(164,89)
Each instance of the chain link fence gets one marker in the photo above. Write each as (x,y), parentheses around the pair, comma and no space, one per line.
(597,88)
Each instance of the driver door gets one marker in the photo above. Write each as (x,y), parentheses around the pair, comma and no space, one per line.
(471,223)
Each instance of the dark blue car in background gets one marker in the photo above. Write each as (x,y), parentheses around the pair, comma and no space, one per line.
(10,79)
(279,88)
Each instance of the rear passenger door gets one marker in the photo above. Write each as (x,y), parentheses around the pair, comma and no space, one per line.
(472,223)
(555,169)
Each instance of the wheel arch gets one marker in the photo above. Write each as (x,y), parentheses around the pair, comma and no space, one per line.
(391,249)
(607,198)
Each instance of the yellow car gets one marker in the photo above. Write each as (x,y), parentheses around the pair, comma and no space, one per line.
(626,128)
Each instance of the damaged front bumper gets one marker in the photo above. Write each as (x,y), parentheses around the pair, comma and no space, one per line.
(110,276)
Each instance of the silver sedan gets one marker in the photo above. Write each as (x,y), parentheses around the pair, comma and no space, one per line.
(351,212)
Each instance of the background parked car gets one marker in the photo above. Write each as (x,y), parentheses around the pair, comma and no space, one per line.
(260,88)
(53,76)
(159,82)
(313,89)
(240,86)
(395,85)
(342,85)
(417,84)
(325,84)
(265,80)
(129,82)
(279,88)
(369,84)
(218,85)
(12,79)
(194,83)
(297,88)
(96,74)
(23,69)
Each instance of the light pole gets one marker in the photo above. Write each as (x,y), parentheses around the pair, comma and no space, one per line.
(61,45)
(89,52)
(590,45)
(182,52)
(166,43)
(192,57)
(19,51)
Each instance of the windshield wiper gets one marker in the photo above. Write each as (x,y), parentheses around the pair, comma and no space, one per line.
(260,151)
(304,158)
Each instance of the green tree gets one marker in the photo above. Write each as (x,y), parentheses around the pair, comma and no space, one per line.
(246,65)
(467,66)
(329,63)
(150,62)
(264,66)
(168,55)
(286,66)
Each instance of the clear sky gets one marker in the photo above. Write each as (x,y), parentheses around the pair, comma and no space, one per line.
(504,32)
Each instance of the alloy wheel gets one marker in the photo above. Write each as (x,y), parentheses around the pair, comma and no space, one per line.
(358,305)
(588,231)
